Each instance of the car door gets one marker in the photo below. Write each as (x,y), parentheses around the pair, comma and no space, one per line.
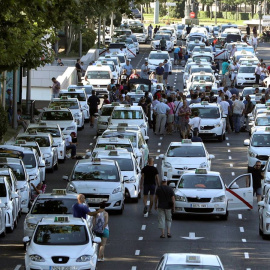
(240,193)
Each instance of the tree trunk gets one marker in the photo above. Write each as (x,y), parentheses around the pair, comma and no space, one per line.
(202,7)
(147,8)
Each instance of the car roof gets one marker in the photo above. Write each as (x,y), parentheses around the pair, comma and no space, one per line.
(208,105)
(90,162)
(189,144)
(115,141)
(134,108)
(40,134)
(17,148)
(45,125)
(50,196)
(7,160)
(51,221)
(105,154)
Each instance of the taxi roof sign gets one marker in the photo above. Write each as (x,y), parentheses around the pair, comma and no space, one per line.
(21,142)
(113,153)
(115,103)
(42,124)
(32,131)
(113,139)
(123,125)
(202,81)
(96,160)
(64,97)
(121,129)
(127,105)
(186,141)
(204,102)
(59,192)
(255,85)
(61,219)
(193,259)
(57,107)
(110,147)
(139,92)
(201,171)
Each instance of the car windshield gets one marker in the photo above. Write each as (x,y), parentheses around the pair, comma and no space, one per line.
(17,170)
(262,121)
(128,147)
(87,88)
(260,140)
(206,78)
(127,114)
(121,59)
(246,70)
(111,66)
(202,49)
(79,96)
(200,57)
(55,132)
(3,191)
(97,75)
(61,235)
(107,111)
(125,135)
(136,98)
(180,27)
(186,151)
(159,37)
(192,267)
(124,163)
(200,181)
(250,91)
(205,112)
(193,38)
(158,56)
(205,69)
(29,161)
(72,105)
(96,172)
(137,30)
(42,141)
(49,206)
(191,46)
(243,56)
(57,116)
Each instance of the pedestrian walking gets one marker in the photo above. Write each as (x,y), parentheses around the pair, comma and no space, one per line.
(128,67)
(238,108)
(9,105)
(258,73)
(248,109)
(55,88)
(161,110)
(150,31)
(184,113)
(195,123)
(79,70)
(93,102)
(144,70)
(176,55)
(154,103)
(166,71)
(170,116)
(257,176)
(149,182)
(160,73)
(226,112)
(163,44)
(254,42)
(254,31)
(20,120)
(165,205)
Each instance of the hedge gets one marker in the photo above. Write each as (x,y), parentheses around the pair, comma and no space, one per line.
(228,15)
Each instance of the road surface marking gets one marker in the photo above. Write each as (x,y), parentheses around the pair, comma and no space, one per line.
(134,268)
(18,267)
(230,157)
(160,138)
(227,138)
(155,165)
(228,144)
(241,229)
(140,238)
(137,253)
(240,216)
(229,150)
(157,157)
(158,150)
(246,255)
(233,174)
(95,137)
(143,227)
(91,143)
(244,240)
(192,236)
(231,165)
(148,203)
(159,143)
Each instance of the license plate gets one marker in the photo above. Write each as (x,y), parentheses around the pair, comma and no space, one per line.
(96,200)
(63,268)
(198,205)
(205,131)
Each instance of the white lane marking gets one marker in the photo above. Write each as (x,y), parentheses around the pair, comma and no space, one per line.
(233,173)
(157,157)
(143,227)
(140,238)
(174,83)
(231,165)
(155,165)
(146,215)
(241,229)
(159,143)
(246,255)
(229,151)
(134,268)
(228,144)
(158,150)
(137,252)
(244,240)
(91,143)
(95,137)
(248,269)
(148,203)
(18,267)
(240,216)
(160,138)
(230,157)
(227,138)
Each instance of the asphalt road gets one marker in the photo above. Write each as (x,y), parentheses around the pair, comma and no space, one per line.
(134,241)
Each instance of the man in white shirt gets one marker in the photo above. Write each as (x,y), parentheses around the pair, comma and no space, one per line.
(195,122)
(227,92)
(161,110)
(238,107)
(258,73)
(226,111)
(254,42)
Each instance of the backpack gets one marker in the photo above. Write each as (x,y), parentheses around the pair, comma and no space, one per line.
(98,228)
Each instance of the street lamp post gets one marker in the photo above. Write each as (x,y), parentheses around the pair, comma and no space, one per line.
(260,16)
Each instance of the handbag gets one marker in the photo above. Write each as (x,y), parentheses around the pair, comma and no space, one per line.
(170,202)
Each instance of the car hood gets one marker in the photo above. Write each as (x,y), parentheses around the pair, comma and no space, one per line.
(188,162)
(201,193)
(100,82)
(210,122)
(62,124)
(95,186)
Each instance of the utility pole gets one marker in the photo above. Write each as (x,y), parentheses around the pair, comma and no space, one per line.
(156,12)
(141,13)
(99,23)
(80,46)
(260,16)
(14,101)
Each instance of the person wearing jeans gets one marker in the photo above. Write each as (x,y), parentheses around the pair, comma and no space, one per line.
(238,107)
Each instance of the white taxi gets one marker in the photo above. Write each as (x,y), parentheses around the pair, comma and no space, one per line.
(18,168)
(155,43)
(61,242)
(62,117)
(261,121)
(133,115)
(183,156)
(264,215)
(202,76)
(2,220)
(258,147)
(246,75)
(129,167)
(57,134)
(213,124)
(192,44)
(156,57)
(73,105)
(204,192)
(81,95)
(9,199)
(99,180)
(189,261)
(47,147)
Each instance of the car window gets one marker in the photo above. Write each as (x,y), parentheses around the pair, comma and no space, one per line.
(246,70)
(17,170)
(127,114)
(79,96)
(158,56)
(72,105)
(96,75)
(125,135)
(42,141)
(57,116)
(128,147)
(260,140)
(186,151)
(125,164)
(29,161)
(55,132)
(107,111)
(200,181)
(206,112)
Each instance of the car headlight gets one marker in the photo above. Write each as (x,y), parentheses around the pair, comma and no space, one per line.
(167,165)
(76,115)
(219,199)
(131,180)
(180,198)
(252,154)
(47,155)
(70,128)
(84,258)
(203,165)
(36,258)
(117,190)
(71,188)
(217,125)
(31,226)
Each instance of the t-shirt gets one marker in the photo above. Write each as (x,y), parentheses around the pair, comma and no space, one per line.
(68,140)
(93,102)
(257,177)
(150,173)
(195,122)
(159,70)
(78,67)
(225,66)
(166,67)
(80,210)
(164,194)
(176,50)
(225,105)
(238,107)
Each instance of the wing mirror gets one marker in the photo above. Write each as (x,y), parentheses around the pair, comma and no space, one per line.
(97,240)
(65,177)
(247,142)
(234,186)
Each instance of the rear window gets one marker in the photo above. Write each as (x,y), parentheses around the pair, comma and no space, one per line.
(57,115)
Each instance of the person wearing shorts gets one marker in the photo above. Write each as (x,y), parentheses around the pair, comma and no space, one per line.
(149,181)
(257,176)
(93,102)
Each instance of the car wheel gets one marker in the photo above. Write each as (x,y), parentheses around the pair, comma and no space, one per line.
(16,222)
(224,136)
(220,138)
(260,231)
(122,209)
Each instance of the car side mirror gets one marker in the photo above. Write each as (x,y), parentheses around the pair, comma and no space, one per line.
(211,156)
(26,239)
(14,195)
(42,164)
(146,138)
(97,240)
(246,142)
(161,156)
(261,204)
(65,177)
(234,186)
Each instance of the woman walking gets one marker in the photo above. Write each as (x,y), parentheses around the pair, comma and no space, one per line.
(184,113)
(170,116)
